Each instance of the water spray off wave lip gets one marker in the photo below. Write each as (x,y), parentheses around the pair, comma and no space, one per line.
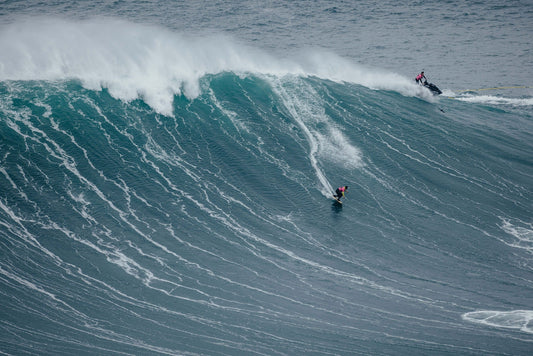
(139,61)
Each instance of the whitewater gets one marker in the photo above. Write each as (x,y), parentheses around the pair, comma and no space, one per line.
(167,172)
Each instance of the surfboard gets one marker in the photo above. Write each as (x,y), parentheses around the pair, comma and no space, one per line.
(337,200)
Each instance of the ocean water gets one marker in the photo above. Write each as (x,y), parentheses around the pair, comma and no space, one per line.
(166,172)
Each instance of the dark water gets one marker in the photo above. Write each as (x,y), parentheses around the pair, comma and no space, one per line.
(166,178)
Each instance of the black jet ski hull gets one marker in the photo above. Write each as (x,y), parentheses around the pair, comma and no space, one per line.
(433,88)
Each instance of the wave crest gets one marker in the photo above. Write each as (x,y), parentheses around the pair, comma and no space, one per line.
(141,61)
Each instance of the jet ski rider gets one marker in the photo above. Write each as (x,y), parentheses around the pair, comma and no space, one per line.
(419,77)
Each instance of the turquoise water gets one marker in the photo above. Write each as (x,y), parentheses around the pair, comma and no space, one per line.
(169,192)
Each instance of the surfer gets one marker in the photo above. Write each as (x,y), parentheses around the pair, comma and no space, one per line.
(340,193)
(419,77)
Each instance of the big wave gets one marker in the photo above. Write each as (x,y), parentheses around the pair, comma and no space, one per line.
(172,195)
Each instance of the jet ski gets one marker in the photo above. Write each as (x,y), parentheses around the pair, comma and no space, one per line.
(433,88)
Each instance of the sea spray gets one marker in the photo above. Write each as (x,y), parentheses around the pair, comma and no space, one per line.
(145,61)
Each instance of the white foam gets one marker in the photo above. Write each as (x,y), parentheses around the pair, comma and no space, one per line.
(522,235)
(496,100)
(140,61)
(515,319)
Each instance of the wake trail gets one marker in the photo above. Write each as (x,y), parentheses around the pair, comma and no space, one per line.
(326,141)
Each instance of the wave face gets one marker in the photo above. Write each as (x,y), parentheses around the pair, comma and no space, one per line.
(188,210)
